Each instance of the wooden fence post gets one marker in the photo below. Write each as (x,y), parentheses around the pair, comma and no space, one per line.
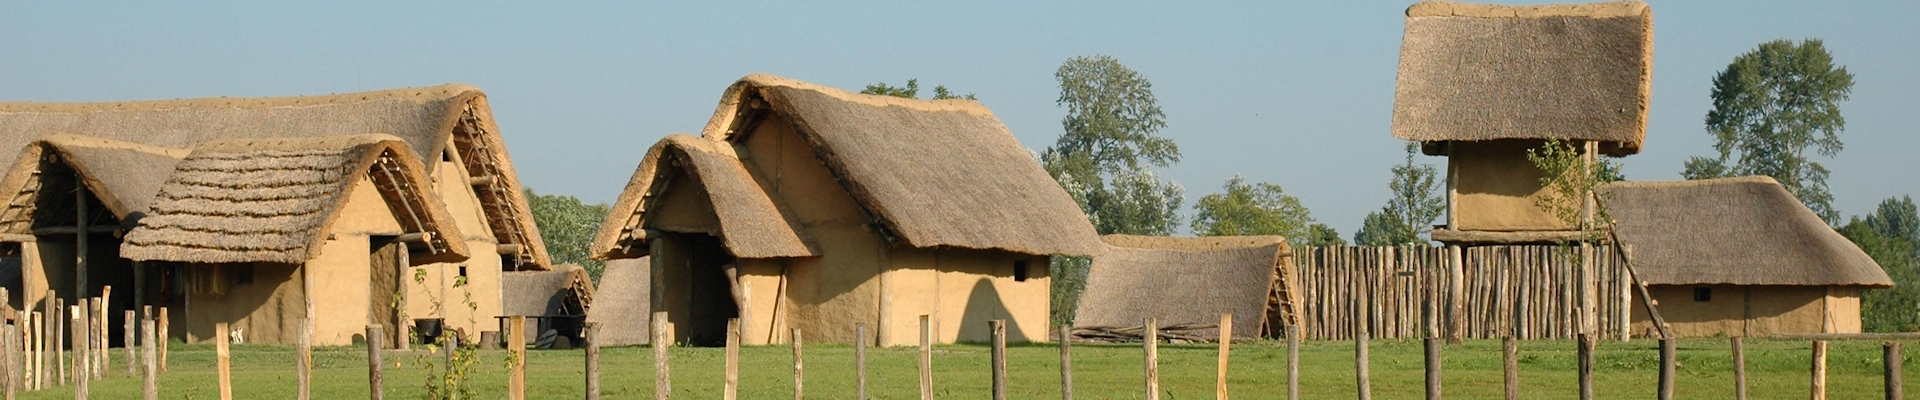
(926,357)
(1151,338)
(662,379)
(998,356)
(1891,360)
(731,390)
(1667,366)
(1361,381)
(127,341)
(799,375)
(1226,349)
(1432,346)
(164,339)
(222,361)
(1293,362)
(303,358)
(1819,370)
(1510,363)
(58,341)
(9,356)
(1586,366)
(593,358)
(83,353)
(1739,368)
(100,318)
(376,381)
(860,361)
(1066,362)
(517,345)
(150,378)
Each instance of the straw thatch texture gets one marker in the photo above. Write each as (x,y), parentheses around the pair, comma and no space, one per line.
(272,200)
(1738,231)
(935,173)
(751,225)
(623,303)
(1184,282)
(564,290)
(124,176)
(425,118)
(1482,72)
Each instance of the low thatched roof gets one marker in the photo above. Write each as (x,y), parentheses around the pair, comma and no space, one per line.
(273,200)
(623,304)
(1190,282)
(751,225)
(1738,231)
(564,290)
(1473,72)
(124,176)
(424,118)
(932,173)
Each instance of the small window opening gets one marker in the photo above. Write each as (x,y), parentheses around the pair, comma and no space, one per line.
(463,270)
(1019,271)
(446,155)
(1702,294)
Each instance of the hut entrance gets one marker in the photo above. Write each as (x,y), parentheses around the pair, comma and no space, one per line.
(388,263)
(709,293)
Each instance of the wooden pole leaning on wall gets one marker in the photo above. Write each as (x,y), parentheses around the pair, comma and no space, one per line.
(1586,366)
(731,390)
(149,361)
(1667,365)
(593,359)
(302,359)
(1293,362)
(1151,343)
(998,357)
(1510,364)
(1891,360)
(860,361)
(376,379)
(662,377)
(1739,368)
(1819,386)
(926,357)
(517,346)
(222,360)
(1226,349)
(1066,361)
(799,375)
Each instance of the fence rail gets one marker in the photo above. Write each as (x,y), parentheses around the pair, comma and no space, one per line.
(1528,291)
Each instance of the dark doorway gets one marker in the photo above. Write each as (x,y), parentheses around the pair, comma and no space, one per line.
(709,292)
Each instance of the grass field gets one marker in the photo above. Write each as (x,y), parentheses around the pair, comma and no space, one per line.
(1777,370)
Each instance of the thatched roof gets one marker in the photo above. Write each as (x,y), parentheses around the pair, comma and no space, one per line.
(564,290)
(1739,231)
(932,173)
(273,200)
(751,225)
(425,118)
(1472,72)
(124,176)
(623,304)
(1187,281)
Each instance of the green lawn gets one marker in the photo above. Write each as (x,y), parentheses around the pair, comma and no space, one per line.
(1777,370)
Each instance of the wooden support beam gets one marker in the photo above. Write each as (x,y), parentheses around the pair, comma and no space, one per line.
(481,180)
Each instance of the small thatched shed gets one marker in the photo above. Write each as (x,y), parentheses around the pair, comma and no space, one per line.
(560,297)
(1482,84)
(802,206)
(621,305)
(1186,283)
(1739,257)
(258,229)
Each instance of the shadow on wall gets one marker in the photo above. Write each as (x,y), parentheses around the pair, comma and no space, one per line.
(983,305)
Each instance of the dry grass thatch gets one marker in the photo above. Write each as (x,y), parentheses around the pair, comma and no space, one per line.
(565,290)
(124,176)
(1186,282)
(1473,72)
(273,200)
(751,225)
(426,119)
(1739,231)
(624,304)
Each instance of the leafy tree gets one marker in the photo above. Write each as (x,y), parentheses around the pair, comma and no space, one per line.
(912,91)
(567,226)
(1323,235)
(1253,209)
(1417,200)
(1889,236)
(1110,140)
(1769,107)
(1568,181)
(1382,229)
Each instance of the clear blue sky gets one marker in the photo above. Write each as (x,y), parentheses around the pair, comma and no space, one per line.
(1295,94)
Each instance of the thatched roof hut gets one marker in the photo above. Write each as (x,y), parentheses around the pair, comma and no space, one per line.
(565,290)
(272,200)
(447,121)
(622,305)
(1185,284)
(1474,72)
(1732,231)
(943,173)
(124,176)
